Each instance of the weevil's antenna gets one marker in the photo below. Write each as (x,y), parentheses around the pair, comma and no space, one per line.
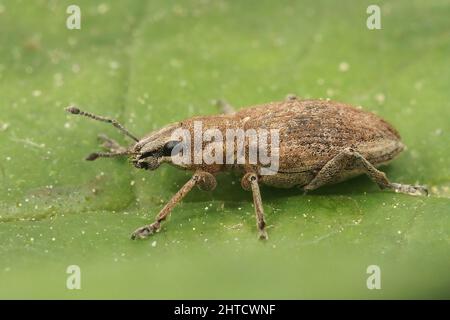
(93,156)
(75,110)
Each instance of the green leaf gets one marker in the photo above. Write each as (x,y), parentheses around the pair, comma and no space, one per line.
(152,63)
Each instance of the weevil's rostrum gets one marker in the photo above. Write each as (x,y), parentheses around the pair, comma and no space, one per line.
(318,142)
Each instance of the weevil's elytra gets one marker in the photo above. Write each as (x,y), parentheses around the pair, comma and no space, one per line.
(320,142)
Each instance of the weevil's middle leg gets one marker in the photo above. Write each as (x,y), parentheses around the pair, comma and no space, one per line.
(224,106)
(204,180)
(291,97)
(250,182)
(333,170)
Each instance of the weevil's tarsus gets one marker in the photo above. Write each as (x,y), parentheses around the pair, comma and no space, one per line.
(409,189)
(334,169)
(224,106)
(115,123)
(250,182)
(197,179)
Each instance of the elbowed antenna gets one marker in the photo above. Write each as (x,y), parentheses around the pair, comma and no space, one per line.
(115,123)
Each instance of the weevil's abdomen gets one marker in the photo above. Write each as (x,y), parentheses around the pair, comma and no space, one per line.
(312,132)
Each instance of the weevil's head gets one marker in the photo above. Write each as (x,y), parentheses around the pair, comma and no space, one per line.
(147,153)
(155,148)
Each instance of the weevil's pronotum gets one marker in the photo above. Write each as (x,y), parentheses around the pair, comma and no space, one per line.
(320,142)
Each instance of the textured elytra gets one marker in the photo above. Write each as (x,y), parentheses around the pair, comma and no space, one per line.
(314,131)
(311,132)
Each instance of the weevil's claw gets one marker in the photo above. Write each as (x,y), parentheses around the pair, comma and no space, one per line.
(92,156)
(411,190)
(145,231)
(263,235)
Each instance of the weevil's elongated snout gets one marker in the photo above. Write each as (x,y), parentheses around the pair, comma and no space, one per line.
(155,148)
(145,161)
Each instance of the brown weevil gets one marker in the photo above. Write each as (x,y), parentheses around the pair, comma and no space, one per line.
(319,142)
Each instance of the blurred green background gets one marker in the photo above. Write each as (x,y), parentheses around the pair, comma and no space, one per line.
(149,63)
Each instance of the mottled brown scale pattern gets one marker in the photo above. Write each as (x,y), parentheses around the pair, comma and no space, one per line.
(321,142)
(314,131)
(311,132)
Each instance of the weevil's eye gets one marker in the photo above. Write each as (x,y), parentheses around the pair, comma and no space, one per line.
(168,147)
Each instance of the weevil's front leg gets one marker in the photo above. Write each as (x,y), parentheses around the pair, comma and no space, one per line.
(224,106)
(348,158)
(250,182)
(204,180)
(110,144)
(114,149)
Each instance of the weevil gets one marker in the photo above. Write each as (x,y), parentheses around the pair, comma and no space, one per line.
(321,142)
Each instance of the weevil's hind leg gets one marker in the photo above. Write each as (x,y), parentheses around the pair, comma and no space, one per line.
(348,158)
(110,145)
(224,106)
(204,180)
(250,182)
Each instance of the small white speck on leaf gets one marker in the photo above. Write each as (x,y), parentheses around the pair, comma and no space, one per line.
(380,97)
(4,126)
(344,66)
(330,92)
(102,8)
(114,65)
(76,68)
(36,93)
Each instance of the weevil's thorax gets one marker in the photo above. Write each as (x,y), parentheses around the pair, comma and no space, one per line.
(206,138)
(192,140)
